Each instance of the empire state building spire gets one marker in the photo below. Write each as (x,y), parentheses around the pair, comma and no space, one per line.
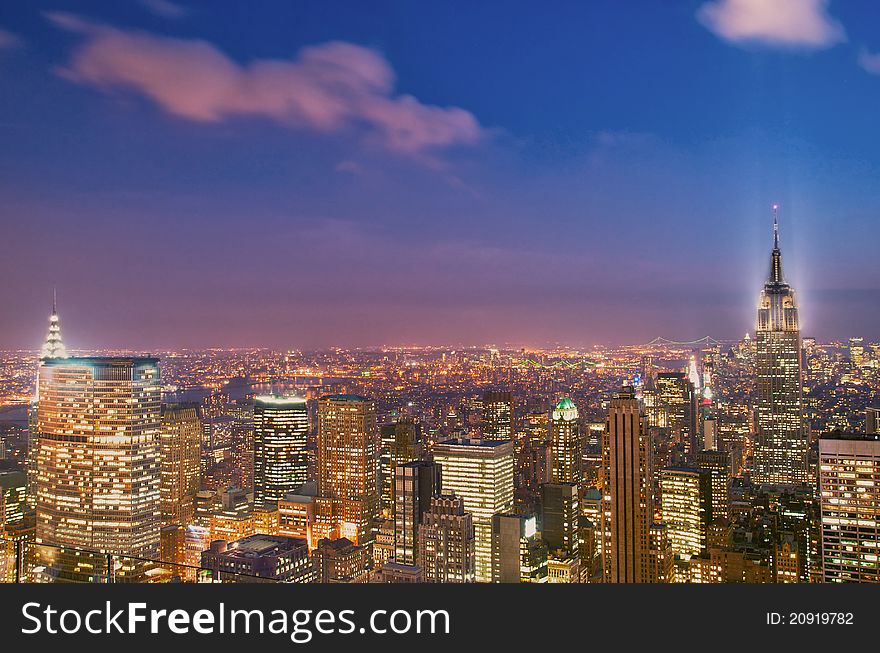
(54,346)
(776,257)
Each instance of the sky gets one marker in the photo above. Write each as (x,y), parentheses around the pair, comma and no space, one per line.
(314,174)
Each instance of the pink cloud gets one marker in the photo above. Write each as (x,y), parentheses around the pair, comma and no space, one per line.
(328,87)
(784,23)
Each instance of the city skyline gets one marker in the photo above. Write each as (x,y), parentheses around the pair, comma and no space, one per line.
(606,186)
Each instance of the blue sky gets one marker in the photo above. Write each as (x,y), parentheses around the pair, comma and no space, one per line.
(312,174)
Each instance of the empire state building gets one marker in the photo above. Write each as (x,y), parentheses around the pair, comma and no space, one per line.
(781,443)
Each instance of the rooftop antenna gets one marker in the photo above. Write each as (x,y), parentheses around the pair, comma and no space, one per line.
(775,226)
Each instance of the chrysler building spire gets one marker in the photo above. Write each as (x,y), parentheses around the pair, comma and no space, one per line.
(54,346)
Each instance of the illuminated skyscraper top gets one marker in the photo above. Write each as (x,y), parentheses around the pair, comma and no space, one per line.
(781,445)
(54,346)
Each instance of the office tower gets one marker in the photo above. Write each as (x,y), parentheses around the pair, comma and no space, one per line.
(567,445)
(627,497)
(518,555)
(282,559)
(446,552)
(677,395)
(281,427)
(481,473)
(560,508)
(781,443)
(341,561)
(242,413)
(686,506)
(532,460)
(717,463)
(348,463)
(401,443)
(98,470)
(872,420)
(415,484)
(180,460)
(856,352)
(497,421)
(849,475)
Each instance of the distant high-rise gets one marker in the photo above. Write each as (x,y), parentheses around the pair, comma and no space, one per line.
(627,497)
(415,484)
(481,473)
(98,469)
(348,463)
(676,394)
(781,443)
(401,443)
(281,427)
(717,463)
(180,455)
(566,443)
(446,542)
(849,476)
(497,416)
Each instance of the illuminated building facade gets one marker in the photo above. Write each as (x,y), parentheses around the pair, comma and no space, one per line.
(481,473)
(348,463)
(781,443)
(446,551)
(676,394)
(567,445)
(849,486)
(401,443)
(497,416)
(627,495)
(717,463)
(415,484)
(686,506)
(180,456)
(281,427)
(98,469)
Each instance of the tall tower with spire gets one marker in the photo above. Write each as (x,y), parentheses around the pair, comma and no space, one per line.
(54,346)
(781,442)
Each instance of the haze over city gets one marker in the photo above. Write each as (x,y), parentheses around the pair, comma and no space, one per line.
(224,174)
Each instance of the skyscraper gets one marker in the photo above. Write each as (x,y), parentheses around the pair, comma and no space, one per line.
(401,443)
(497,416)
(567,445)
(781,444)
(627,497)
(849,478)
(281,427)
(180,462)
(717,463)
(677,396)
(481,473)
(348,463)
(686,505)
(98,469)
(446,542)
(415,484)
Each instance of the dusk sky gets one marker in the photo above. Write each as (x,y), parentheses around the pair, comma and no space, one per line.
(297,174)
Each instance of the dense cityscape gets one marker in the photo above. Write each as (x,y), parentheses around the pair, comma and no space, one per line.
(751,461)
